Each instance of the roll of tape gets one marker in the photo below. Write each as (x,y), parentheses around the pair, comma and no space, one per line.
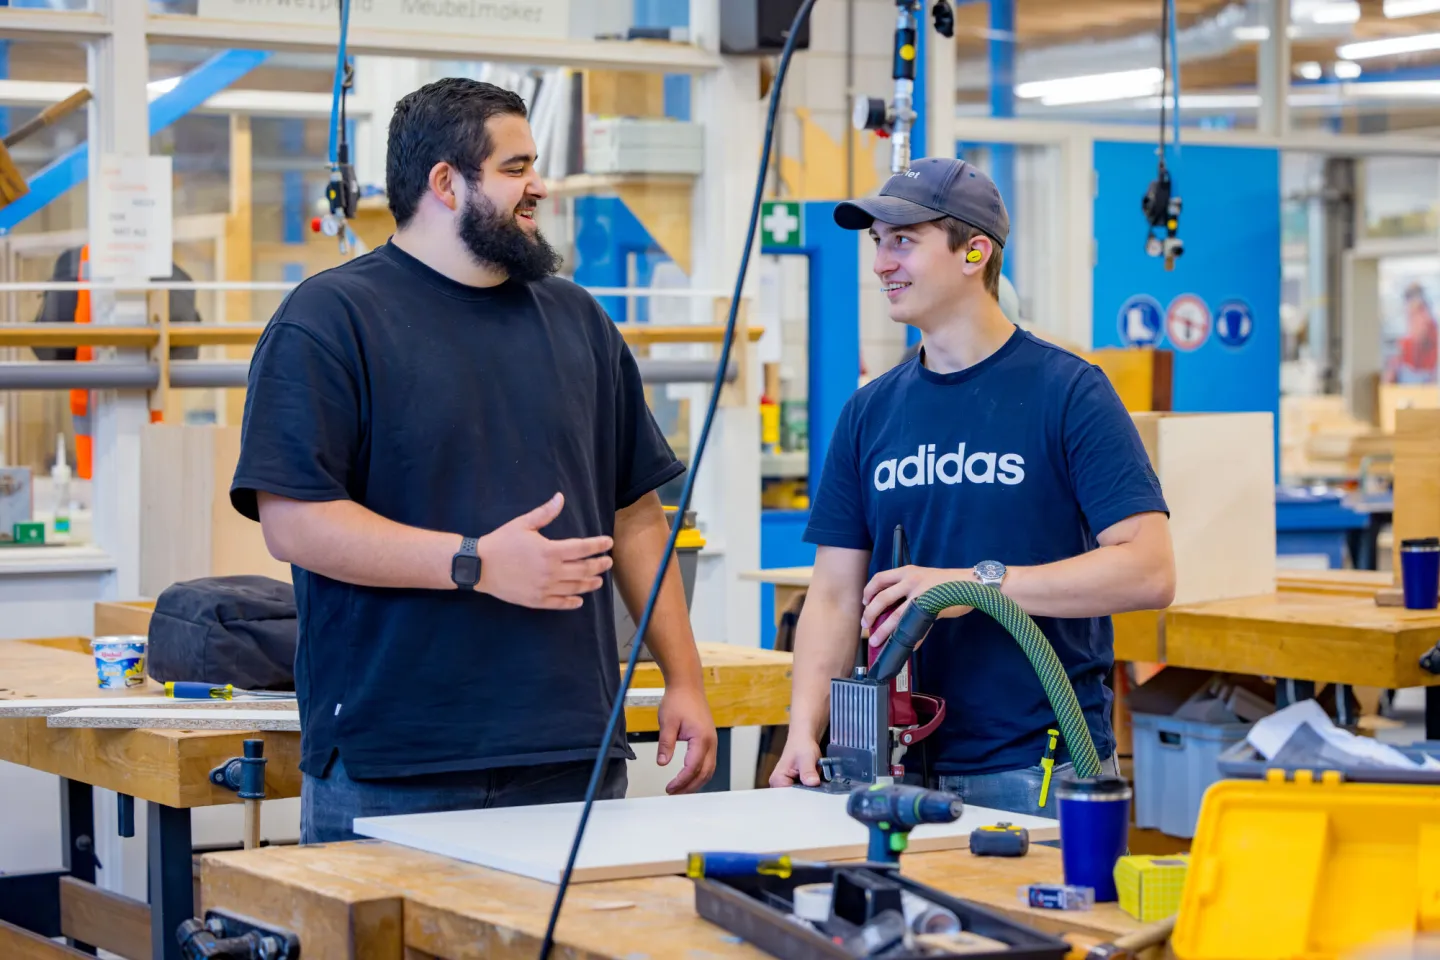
(812,901)
(926,917)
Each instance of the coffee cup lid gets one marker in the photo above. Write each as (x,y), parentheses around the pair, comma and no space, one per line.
(1420,543)
(1093,788)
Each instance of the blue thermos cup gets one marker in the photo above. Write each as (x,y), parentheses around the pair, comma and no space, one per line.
(1420,572)
(1094,831)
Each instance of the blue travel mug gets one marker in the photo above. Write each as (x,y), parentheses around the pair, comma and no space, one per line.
(1094,832)
(1420,572)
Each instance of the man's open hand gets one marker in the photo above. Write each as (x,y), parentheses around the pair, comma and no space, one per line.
(520,565)
(685,715)
(897,589)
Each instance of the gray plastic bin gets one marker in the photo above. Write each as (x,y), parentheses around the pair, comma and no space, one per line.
(1175,763)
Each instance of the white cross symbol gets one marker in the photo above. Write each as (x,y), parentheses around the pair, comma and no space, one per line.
(781,223)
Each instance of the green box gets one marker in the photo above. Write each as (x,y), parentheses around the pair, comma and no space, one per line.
(1150,886)
(29,532)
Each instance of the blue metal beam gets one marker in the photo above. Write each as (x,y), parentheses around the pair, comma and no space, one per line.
(197,86)
(1002,104)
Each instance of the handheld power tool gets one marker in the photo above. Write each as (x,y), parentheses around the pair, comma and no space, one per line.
(892,811)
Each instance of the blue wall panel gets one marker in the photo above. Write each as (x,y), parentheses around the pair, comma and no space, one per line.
(1231,228)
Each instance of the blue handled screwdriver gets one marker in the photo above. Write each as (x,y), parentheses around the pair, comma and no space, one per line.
(742,865)
(194,690)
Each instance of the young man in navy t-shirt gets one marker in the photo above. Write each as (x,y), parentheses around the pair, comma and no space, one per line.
(1007,460)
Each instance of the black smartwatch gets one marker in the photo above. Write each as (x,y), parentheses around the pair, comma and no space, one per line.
(465,565)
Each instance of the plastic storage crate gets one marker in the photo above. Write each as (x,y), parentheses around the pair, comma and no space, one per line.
(1176,761)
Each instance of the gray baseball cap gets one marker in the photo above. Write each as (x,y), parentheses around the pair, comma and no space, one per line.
(932,188)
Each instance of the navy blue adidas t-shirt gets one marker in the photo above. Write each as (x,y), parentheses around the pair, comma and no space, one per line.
(451,408)
(1022,458)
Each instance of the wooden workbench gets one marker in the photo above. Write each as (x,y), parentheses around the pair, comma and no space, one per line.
(170,768)
(378,900)
(1319,626)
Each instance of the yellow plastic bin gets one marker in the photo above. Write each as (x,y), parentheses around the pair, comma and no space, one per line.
(1310,868)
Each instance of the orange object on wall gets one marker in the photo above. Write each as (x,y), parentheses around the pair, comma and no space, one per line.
(79,398)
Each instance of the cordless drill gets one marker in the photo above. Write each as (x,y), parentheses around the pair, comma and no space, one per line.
(891,811)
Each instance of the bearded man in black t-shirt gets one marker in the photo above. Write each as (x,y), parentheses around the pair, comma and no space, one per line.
(452,448)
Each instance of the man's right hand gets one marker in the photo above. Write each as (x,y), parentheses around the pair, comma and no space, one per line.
(799,761)
(520,565)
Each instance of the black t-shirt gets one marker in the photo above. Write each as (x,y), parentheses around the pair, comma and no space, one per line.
(451,408)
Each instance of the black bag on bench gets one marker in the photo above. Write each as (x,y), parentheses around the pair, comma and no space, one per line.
(237,630)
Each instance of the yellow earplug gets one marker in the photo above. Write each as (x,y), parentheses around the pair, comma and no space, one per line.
(974,256)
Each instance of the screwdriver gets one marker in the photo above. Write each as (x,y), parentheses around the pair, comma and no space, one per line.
(742,865)
(194,690)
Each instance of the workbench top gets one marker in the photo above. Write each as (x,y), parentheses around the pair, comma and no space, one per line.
(745,686)
(1320,625)
(378,900)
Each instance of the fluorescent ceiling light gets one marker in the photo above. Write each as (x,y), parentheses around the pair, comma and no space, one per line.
(1257,34)
(1347,70)
(1093,88)
(1410,8)
(1389,47)
(1309,70)
(1416,89)
(1345,11)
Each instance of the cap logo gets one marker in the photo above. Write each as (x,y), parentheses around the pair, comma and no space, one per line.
(912,174)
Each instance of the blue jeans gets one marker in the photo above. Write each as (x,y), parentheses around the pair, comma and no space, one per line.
(330,804)
(1015,791)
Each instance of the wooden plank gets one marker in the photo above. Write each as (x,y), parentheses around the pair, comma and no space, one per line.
(167,766)
(336,917)
(461,911)
(1222,521)
(781,576)
(18,944)
(76,335)
(104,919)
(1334,583)
(1137,636)
(239,248)
(639,334)
(1305,637)
(651,836)
(1417,478)
(120,618)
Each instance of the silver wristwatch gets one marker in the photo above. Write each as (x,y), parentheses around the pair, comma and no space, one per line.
(991,573)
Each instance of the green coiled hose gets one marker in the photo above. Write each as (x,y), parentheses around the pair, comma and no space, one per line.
(965,593)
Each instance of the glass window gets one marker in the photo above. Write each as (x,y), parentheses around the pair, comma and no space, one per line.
(1401,196)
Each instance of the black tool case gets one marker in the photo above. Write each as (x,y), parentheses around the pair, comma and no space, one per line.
(757,909)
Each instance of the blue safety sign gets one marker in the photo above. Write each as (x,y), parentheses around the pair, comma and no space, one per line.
(1141,321)
(1234,322)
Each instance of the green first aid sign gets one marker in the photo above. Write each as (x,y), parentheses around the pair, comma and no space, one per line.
(780,224)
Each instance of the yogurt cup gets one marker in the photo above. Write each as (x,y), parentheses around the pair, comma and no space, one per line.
(119,661)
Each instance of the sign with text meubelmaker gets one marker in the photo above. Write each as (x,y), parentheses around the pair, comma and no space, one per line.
(495,18)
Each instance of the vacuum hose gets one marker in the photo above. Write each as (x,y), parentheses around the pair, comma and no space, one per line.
(921,615)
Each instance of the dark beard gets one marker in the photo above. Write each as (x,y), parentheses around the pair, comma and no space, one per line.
(496,240)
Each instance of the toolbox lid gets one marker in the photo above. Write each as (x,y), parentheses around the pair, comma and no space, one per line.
(1309,867)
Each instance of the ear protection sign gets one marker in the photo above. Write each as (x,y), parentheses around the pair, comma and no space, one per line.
(974,256)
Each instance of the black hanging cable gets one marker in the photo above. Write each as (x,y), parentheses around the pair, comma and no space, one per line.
(1164,77)
(720,370)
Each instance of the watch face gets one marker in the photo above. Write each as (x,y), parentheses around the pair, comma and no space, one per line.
(990,570)
(465,570)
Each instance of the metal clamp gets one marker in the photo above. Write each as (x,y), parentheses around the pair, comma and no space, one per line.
(228,936)
(1430,660)
(244,775)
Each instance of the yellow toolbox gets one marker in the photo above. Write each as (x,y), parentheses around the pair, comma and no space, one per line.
(1310,868)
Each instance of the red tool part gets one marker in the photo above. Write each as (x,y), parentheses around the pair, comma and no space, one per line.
(914,716)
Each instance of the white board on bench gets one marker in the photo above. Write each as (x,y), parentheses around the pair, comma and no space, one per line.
(651,836)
